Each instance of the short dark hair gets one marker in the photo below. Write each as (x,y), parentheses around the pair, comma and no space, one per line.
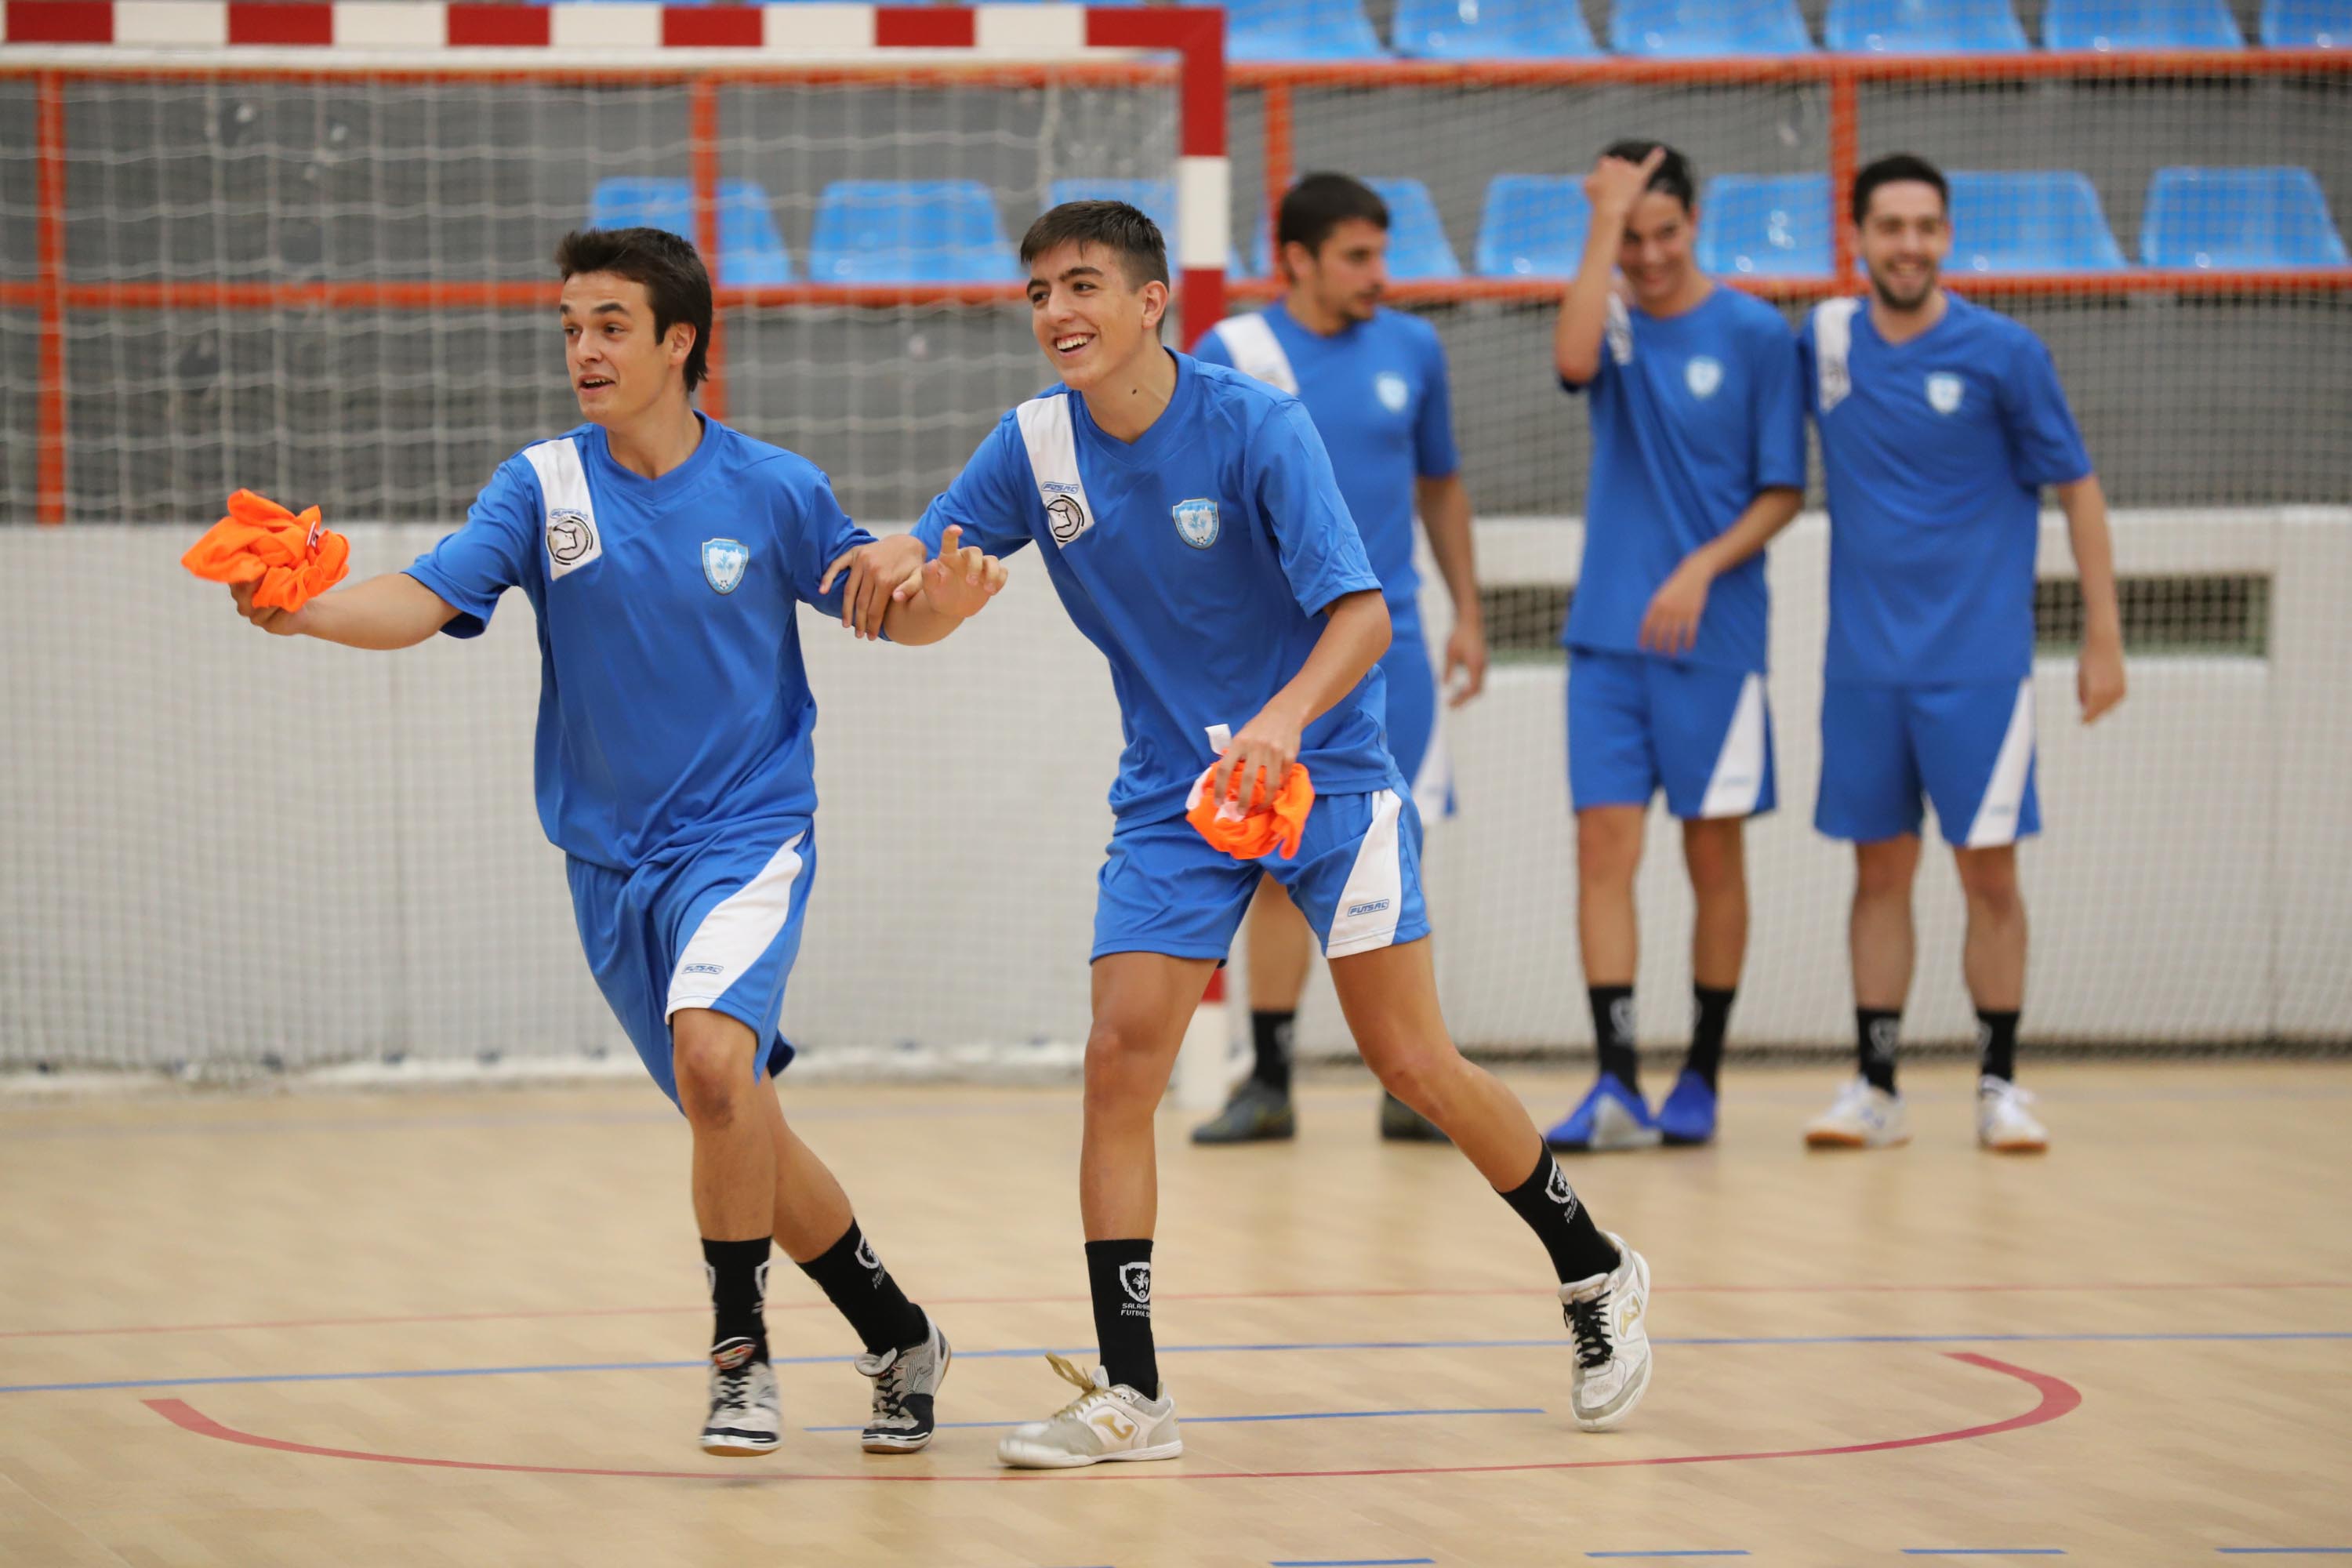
(1675,174)
(676,283)
(1897,168)
(1117,228)
(1321,202)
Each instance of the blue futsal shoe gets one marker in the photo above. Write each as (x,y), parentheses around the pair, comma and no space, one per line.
(1611,1117)
(1687,1114)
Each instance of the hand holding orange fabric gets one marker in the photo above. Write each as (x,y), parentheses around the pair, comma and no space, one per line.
(1263,826)
(289,559)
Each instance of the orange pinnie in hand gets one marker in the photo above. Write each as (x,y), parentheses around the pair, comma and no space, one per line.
(289,558)
(1267,826)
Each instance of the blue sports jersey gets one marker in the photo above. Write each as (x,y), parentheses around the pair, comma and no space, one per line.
(1377,393)
(1936,451)
(1692,416)
(1199,559)
(672,701)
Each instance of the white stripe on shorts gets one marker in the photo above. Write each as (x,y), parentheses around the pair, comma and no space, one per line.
(1737,782)
(2004,797)
(736,932)
(1373,900)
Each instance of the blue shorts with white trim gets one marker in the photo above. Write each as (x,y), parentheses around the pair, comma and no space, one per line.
(1966,747)
(716,927)
(1637,722)
(1357,878)
(1416,731)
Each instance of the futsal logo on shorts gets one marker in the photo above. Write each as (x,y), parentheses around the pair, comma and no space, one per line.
(723,561)
(1703,375)
(1945,391)
(1196,522)
(570,537)
(1394,393)
(1066,512)
(1135,1279)
(1559,1192)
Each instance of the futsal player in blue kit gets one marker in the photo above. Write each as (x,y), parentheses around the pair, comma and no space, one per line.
(1374,381)
(665,556)
(1189,522)
(1940,422)
(1699,460)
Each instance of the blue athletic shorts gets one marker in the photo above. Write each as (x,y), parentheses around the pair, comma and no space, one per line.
(1357,879)
(1415,717)
(717,927)
(1969,748)
(1636,723)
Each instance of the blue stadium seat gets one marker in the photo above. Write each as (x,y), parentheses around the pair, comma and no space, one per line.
(750,251)
(1492,30)
(1534,226)
(1683,29)
(2307,24)
(2237,219)
(1765,225)
(2109,25)
(1300,30)
(909,231)
(2043,221)
(1924,27)
(1418,249)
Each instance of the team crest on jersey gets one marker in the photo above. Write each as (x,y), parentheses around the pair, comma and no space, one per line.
(1196,521)
(1393,392)
(1065,511)
(570,538)
(1944,392)
(1703,375)
(723,561)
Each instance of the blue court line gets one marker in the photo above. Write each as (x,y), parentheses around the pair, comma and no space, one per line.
(1026,1352)
(1346,1562)
(1219,1420)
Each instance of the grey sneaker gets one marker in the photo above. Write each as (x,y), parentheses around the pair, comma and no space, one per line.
(904,1384)
(1401,1123)
(1607,1316)
(1255,1114)
(745,1413)
(1108,1421)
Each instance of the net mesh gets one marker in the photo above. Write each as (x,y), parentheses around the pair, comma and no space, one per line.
(223,850)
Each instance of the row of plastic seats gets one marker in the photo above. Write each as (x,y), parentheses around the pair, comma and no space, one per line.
(1534,226)
(1542,29)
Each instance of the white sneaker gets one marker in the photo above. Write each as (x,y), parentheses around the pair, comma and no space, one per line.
(745,1413)
(2003,1125)
(905,1384)
(1863,1117)
(1607,1314)
(1108,1421)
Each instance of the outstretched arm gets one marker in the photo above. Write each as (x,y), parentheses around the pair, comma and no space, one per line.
(2099,669)
(391,610)
(1355,634)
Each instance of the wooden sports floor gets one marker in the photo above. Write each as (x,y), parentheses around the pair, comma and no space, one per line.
(463,1329)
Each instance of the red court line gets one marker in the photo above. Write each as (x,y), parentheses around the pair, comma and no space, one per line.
(567,1312)
(2059,1398)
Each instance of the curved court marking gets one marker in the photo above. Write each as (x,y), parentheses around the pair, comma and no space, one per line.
(1967,1289)
(2058,1398)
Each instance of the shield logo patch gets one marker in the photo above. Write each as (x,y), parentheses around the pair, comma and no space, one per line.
(1944,392)
(572,541)
(1393,392)
(1703,375)
(1196,522)
(723,561)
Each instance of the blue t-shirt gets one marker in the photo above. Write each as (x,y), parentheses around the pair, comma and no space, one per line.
(1199,559)
(1692,416)
(1377,390)
(673,705)
(1936,451)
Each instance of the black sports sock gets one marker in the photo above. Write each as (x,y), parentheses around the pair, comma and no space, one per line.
(1877,1033)
(1270,1035)
(738,1273)
(1553,1211)
(854,1279)
(1118,1274)
(1996,1044)
(1710,1017)
(1612,1032)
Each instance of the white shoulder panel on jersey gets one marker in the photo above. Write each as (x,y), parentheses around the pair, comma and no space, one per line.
(1053,446)
(1832,343)
(1619,332)
(571,536)
(1256,351)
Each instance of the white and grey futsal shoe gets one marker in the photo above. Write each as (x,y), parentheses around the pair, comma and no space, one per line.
(1108,1421)
(905,1382)
(1608,1314)
(745,1413)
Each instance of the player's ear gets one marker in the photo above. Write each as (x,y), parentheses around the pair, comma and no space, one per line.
(678,343)
(1155,304)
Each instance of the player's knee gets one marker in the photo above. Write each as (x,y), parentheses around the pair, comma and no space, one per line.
(714,1074)
(1988,878)
(1885,870)
(1712,852)
(1608,847)
(1120,1071)
(1421,1075)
